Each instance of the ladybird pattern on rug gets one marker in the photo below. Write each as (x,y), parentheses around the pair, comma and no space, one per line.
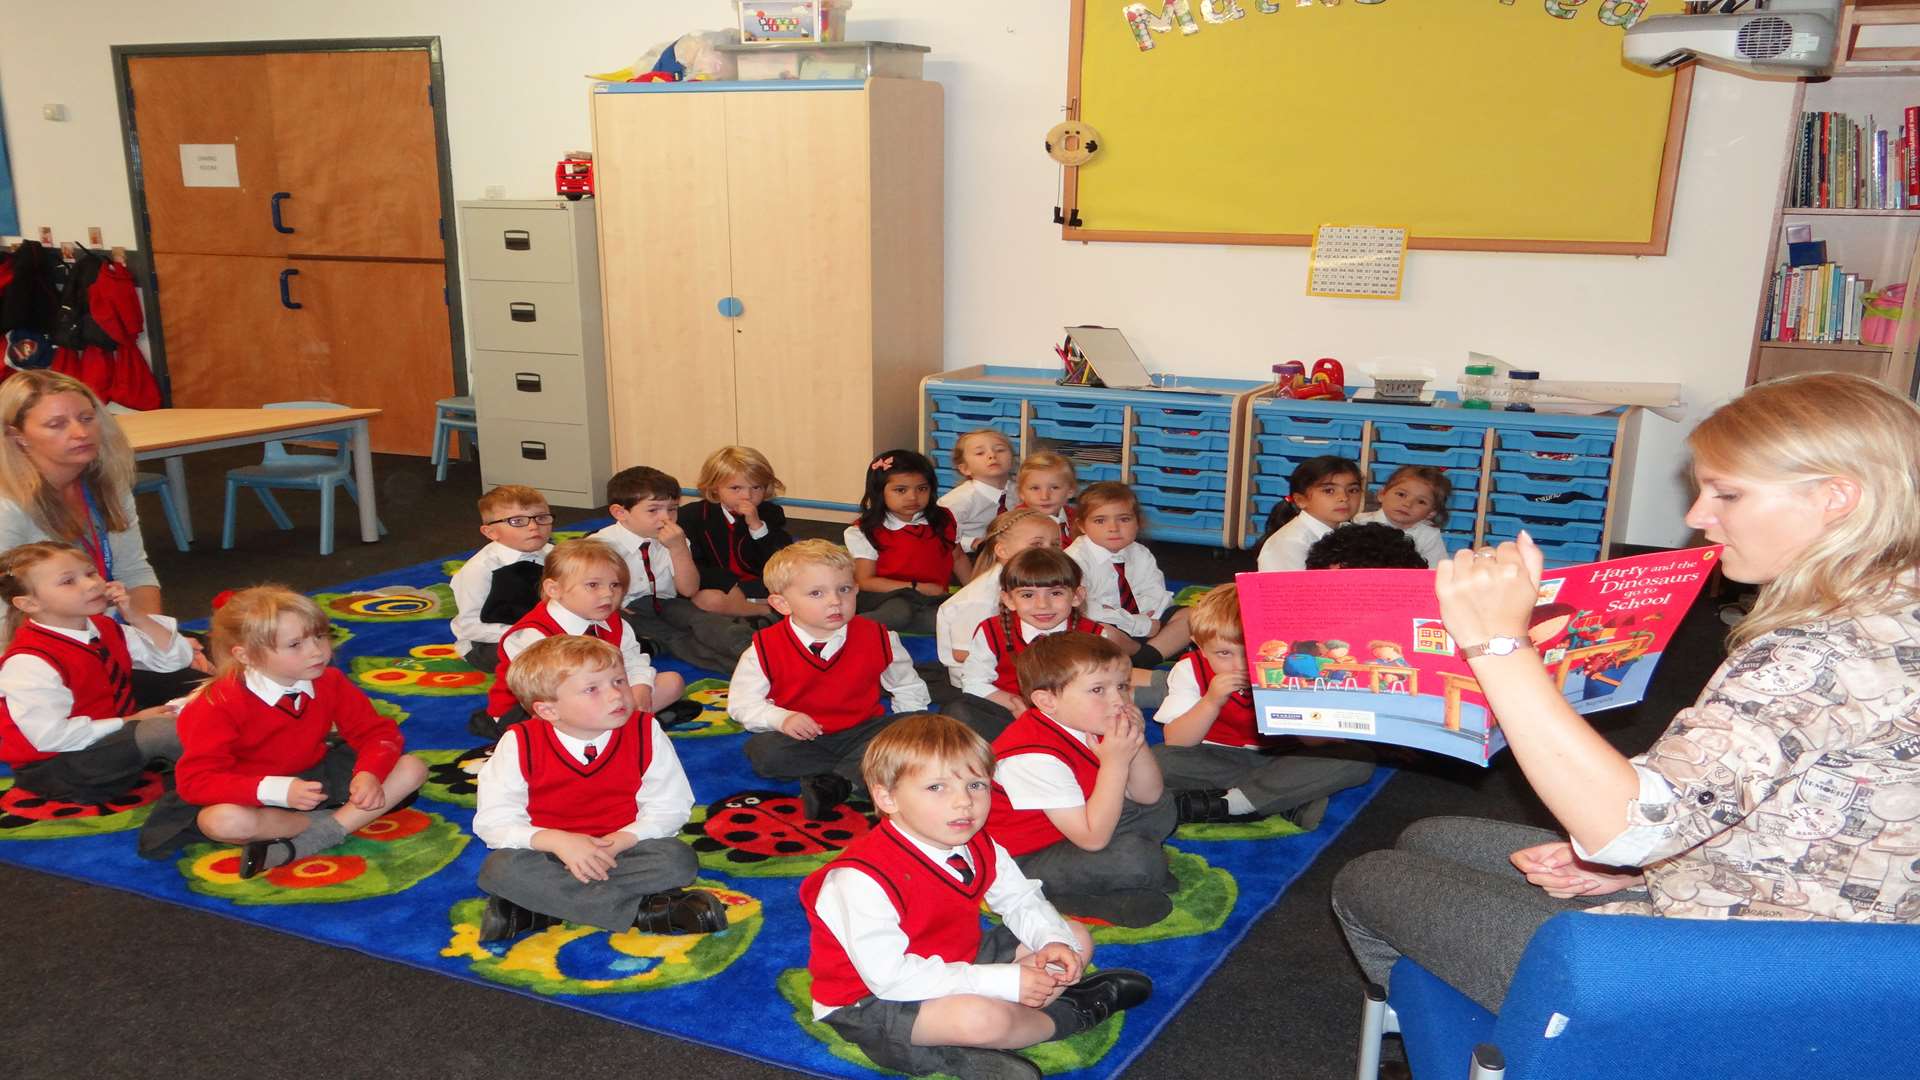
(426,670)
(453,776)
(767,834)
(26,816)
(394,603)
(713,718)
(390,854)
(1060,1056)
(570,959)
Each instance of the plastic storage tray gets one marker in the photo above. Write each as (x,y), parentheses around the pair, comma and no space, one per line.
(1162,458)
(956,424)
(1184,419)
(1428,434)
(1461,479)
(1575,510)
(1093,472)
(1523,484)
(1180,478)
(1556,442)
(1162,521)
(1558,554)
(1571,532)
(1180,440)
(1522,461)
(1080,412)
(1299,448)
(1460,457)
(1274,422)
(966,403)
(1158,498)
(1073,431)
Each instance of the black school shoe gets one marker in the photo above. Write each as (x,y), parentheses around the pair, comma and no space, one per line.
(681,911)
(821,792)
(1202,806)
(1088,1003)
(505,919)
(684,711)
(254,856)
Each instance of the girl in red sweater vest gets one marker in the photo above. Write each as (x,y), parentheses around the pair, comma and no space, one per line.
(256,767)
(906,550)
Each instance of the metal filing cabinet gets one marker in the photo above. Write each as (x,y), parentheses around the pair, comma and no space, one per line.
(539,358)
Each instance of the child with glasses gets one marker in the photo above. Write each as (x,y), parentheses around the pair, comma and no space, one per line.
(501,583)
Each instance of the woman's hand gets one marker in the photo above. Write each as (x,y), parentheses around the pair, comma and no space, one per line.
(1564,875)
(1486,594)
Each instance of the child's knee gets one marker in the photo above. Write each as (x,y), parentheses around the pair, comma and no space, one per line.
(681,864)
(227,823)
(709,600)
(1082,941)
(408,774)
(979,1021)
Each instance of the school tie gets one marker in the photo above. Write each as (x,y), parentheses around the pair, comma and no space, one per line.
(294,703)
(1127,602)
(589,752)
(601,631)
(818,648)
(1003,502)
(961,867)
(653,586)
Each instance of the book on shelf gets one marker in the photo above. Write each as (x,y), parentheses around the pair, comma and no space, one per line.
(1844,162)
(1815,304)
(1362,654)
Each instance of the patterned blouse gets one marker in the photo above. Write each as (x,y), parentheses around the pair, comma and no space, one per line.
(1791,788)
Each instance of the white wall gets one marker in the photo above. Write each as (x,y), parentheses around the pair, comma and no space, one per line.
(516,101)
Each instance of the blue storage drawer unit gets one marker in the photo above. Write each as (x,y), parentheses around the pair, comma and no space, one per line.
(1080,412)
(1092,472)
(1200,526)
(1184,419)
(1457,540)
(1556,442)
(1461,479)
(1525,461)
(955,424)
(1525,484)
(1428,434)
(972,403)
(1559,554)
(1572,510)
(1179,478)
(1162,458)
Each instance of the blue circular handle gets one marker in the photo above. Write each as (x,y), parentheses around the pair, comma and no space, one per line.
(731,307)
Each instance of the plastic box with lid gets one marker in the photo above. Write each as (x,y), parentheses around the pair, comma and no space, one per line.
(829,60)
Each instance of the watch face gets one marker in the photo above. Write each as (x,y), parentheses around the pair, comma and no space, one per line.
(1501,646)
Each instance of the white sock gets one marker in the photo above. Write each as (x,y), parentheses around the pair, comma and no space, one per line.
(1237,802)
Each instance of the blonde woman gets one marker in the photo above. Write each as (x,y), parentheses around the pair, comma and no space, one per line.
(1738,809)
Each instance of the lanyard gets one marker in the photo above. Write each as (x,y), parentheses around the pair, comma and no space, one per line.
(100,540)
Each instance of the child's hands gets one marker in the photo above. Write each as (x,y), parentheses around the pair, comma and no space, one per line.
(671,534)
(366,793)
(1224,685)
(116,594)
(305,794)
(618,842)
(1061,955)
(1038,986)
(800,726)
(587,858)
(930,588)
(747,511)
(1124,738)
(157,712)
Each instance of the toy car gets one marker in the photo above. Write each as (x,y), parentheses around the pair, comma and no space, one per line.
(573,177)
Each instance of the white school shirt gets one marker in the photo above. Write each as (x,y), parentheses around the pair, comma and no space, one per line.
(960,615)
(41,704)
(982,667)
(1287,549)
(1149,585)
(1037,781)
(758,534)
(472,582)
(641,552)
(638,664)
(747,694)
(856,911)
(273,789)
(860,547)
(974,504)
(1426,539)
(661,806)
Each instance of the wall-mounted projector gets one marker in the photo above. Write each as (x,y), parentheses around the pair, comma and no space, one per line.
(1788,37)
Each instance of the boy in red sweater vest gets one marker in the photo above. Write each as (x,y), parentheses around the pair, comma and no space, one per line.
(1216,761)
(257,767)
(899,964)
(1077,798)
(810,687)
(582,804)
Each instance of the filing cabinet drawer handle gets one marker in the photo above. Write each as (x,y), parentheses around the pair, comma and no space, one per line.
(526,382)
(533,451)
(518,240)
(521,311)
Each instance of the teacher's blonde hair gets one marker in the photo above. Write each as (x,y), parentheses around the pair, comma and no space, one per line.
(110,474)
(1814,427)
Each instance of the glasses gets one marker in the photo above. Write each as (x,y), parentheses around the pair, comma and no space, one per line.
(521,521)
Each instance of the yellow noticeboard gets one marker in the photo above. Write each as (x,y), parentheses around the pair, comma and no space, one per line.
(1478,124)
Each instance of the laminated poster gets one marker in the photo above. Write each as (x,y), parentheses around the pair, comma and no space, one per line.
(1361,654)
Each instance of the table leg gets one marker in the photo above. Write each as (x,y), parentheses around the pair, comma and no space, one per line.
(363,478)
(177,479)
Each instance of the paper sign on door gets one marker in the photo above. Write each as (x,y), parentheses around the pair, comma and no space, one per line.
(209,165)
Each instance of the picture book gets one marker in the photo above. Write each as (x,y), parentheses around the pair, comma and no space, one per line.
(1362,654)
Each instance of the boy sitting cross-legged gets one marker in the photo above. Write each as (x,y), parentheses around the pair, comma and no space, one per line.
(809,688)
(582,804)
(899,964)
(1077,797)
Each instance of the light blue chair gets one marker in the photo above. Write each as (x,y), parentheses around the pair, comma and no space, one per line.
(451,416)
(1597,997)
(295,472)
(147,483)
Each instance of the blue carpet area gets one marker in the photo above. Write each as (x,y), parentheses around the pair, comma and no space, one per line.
(397,890)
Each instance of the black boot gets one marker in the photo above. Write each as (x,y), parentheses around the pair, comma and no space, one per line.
(1202,805)
(1307,815)
(504,919)
(1088,1003)
(681,911)
(821,792)
(679,713)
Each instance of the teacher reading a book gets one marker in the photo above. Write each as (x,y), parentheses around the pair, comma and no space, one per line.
(1763,799)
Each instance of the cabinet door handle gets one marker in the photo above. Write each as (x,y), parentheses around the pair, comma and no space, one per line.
(731,307)
(526,382)
(521,311)
(533,451)
(286,294)
(273,205)
(519,240)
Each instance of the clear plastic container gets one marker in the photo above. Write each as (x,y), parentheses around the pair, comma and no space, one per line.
(829,60)
(1476,386)
(1520,388)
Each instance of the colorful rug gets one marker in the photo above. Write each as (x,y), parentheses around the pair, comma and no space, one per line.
(403,888)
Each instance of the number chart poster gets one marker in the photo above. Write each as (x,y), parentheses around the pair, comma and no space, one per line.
(1481,122)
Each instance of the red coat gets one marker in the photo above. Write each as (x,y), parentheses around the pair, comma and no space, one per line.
(121,375)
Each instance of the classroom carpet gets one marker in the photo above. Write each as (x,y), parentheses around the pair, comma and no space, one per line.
(403,889)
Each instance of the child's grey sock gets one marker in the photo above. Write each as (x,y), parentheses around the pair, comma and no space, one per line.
(322,832)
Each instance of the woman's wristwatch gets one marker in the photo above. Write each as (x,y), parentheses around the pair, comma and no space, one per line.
(1497,646)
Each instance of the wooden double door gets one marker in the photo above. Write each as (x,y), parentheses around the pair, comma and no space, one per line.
(294,216)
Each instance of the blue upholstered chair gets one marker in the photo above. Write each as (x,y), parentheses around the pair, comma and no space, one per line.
(1607,996)
(288,471)
(147,483)
(451,416)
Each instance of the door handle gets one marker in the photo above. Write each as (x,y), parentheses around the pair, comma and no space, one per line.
(521,311)
(286,294)
(731,307)
(274,204)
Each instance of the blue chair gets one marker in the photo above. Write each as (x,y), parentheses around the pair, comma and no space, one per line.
(451,416)
(295,472)
(147,483)
(1605,996)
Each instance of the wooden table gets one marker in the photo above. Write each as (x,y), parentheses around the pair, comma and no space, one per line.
(172,433)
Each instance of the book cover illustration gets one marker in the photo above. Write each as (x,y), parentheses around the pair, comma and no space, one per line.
(1362,654)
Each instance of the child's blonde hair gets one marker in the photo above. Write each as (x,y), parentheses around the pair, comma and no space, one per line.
(1057,659)
(1105,492)
(985,556)
(1216,616)
(786,564)
(14,565)
(250,621)
(924,741)
(574,556)
(509,495)
(538,672)
(1436,481)
(1046,461)
(960,444)
(731,461)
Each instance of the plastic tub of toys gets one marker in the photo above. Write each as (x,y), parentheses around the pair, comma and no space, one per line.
(829,60)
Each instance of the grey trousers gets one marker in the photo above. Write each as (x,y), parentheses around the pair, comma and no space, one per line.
(685,632)
(903,611)
(539,882)
(1271,782)
(1133,859)
(1446,897)
(989,718)
(778,756)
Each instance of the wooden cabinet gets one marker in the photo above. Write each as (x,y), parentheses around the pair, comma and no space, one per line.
(775,279)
